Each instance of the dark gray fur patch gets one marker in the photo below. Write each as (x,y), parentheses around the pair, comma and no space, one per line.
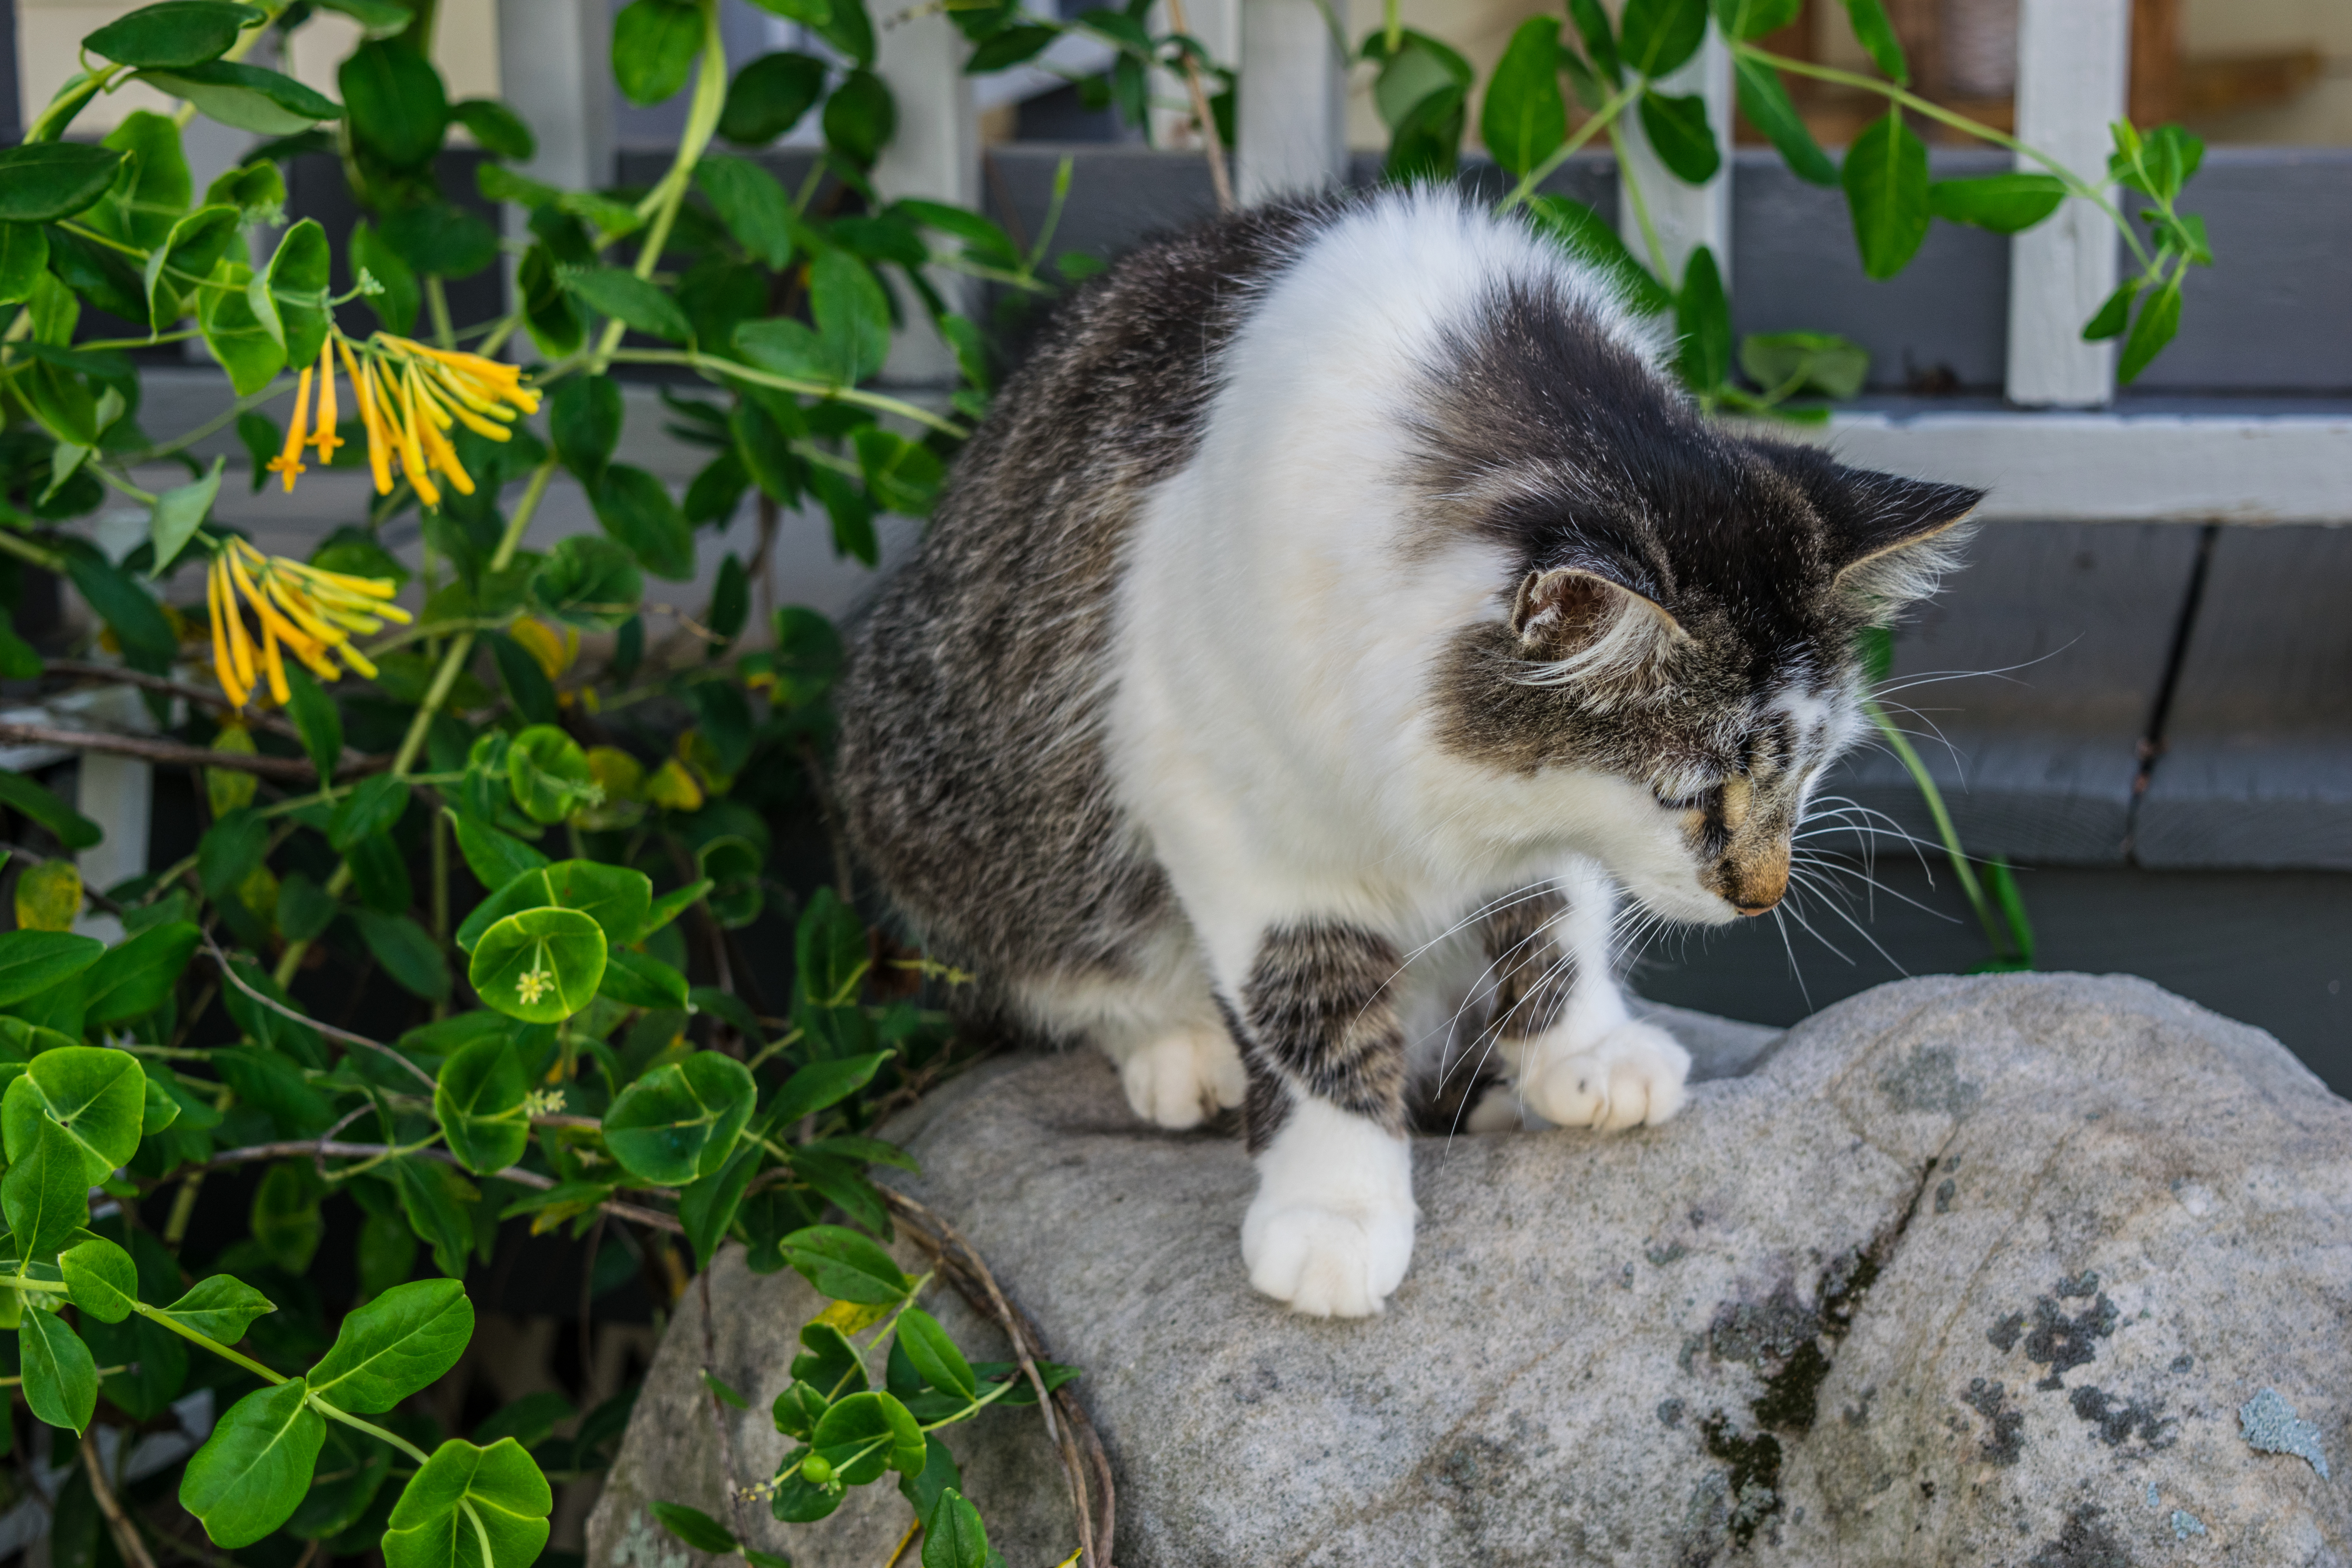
(1318,1007)
(1532,975)
(970,768)
(1266,1105)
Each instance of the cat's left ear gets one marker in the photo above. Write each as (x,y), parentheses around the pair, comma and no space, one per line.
(1889,539)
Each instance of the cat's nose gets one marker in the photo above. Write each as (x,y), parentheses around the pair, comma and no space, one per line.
(1752,910)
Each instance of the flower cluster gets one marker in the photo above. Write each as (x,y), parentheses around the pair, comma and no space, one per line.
(306,610)
(410,395)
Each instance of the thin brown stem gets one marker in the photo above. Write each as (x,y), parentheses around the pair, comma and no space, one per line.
(228,971)
(168,752)
(1213,146)
(117,1524)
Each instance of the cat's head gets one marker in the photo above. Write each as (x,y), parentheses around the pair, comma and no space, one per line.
(1670,658)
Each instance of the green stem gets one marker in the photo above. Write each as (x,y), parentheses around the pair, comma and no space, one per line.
(1900,744)
(453,664)
(1650,241)
(701,123)
(1603,119)
(2073,182)
(218,1349)
(226,416)
(373,1430)
(727,367)
(125,485)
(437,301)
(24,549)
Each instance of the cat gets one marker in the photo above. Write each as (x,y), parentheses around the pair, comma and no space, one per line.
(1335,611)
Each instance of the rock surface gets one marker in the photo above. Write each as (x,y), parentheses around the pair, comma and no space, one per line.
(1990,1270)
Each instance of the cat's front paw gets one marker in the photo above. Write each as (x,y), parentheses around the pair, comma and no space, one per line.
(1328,1262)
(1631,1076)
(1183,1077)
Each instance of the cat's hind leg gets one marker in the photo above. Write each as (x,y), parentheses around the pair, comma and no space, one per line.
(1578,1057)
(1159,1025)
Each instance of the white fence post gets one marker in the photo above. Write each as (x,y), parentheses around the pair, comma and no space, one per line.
(2073,69)
(935,155)
(555,59)
(1686,216)
(1293,108)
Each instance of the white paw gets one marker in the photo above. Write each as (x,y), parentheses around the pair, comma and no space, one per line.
(1180,1080)
(1330,1230)
(1632,1075)
(1327,1263)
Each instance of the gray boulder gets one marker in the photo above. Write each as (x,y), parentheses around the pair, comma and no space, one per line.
(2052,1271)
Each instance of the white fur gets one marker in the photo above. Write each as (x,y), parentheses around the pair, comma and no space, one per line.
(1271,732)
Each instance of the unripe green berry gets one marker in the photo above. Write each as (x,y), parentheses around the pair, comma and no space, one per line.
(818,1469)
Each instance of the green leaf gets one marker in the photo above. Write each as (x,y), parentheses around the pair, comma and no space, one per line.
(731,601)
(548,774)
(399,109)
(904,476)
(241,327)
(852,315)
(496,858)
(46,1194)
(1805,362)
(135,977)
(95,1098)
(681,1119)
(618,899)
(830,949)
(1750,19)
(407,952)
(2001,203)
(395,302)
(952,1534)
(378,18)
(24,257)
(100,1280)
(770,96)
(220,1307)
(706,1205)
(1886,180)
(821,1084)
(153,188)
(438,1201)
(438,239)
(674,903)
(867,1434)
(934,1355)
(2114,314)
(60,1378)
(256,190)
(73,830)
(1656,35)
(464,1495)
(860,117)
(541,965)
(588,580)
(230,850)
(756,209)
(696,1527)
(317,718)
(627,298)
(844,1265)
(31,962)
(297,286)
(253,1469)
(1525,119)
(369,810)
(2158,322)
(124,607)
(637,512)
(499,128)
(351,1470)
(247,97)
(47,182)
(394,1346)
(654,46)
(177,33)
(480,1102)
(1877,36)
(286,1221)
(583,422)
(1766,103)
(640,980)
(1678,132)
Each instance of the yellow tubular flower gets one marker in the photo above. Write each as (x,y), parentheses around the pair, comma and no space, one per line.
(412,460)
(437,450)
(290,461)
(363,389)
(324,437)
(215,583)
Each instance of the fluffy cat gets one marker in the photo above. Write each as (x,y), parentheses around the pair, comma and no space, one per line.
(1334,612)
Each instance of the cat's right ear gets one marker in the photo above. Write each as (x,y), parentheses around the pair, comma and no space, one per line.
(1576,623)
